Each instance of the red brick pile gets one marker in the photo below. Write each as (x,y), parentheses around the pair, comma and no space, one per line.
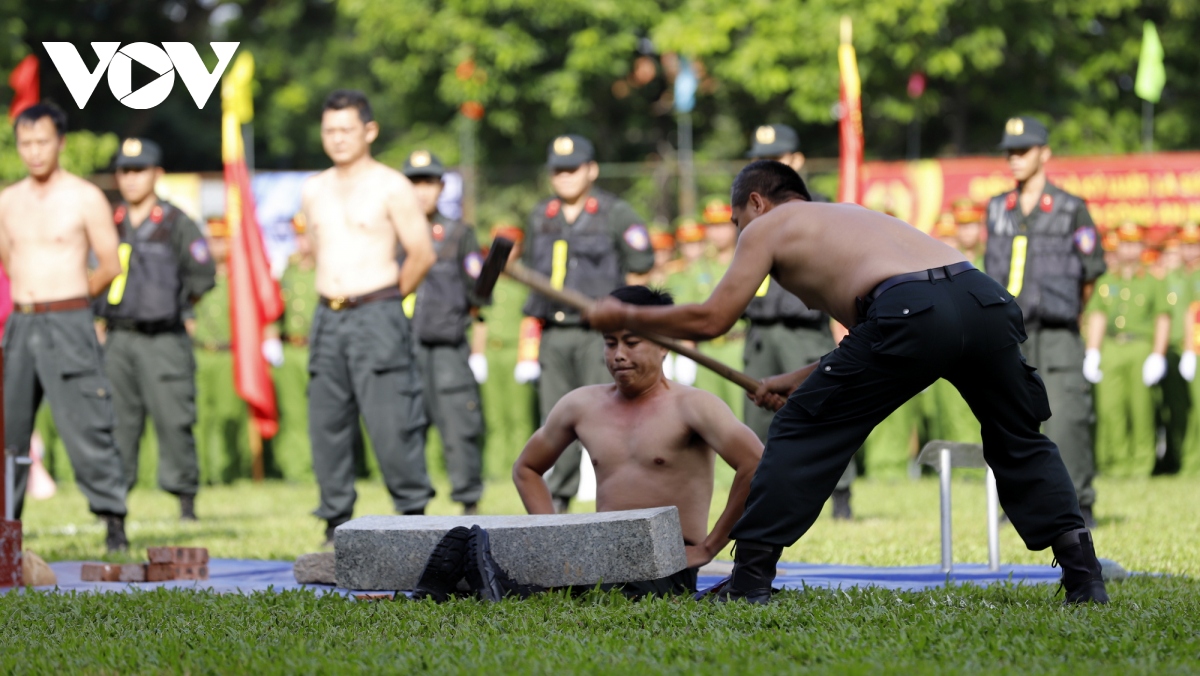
(166,563)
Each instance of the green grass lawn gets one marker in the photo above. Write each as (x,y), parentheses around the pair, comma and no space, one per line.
(1152,626)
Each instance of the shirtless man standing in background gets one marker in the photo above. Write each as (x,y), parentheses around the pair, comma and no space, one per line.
(362,359)
(49,221)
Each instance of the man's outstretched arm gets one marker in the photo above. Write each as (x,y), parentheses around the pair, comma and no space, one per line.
(740,448)
(714,317)
(539,455)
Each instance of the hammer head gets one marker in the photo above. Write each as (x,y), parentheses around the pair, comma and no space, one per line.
(493,265)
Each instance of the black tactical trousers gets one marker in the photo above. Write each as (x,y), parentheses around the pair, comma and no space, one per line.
(361,362)
(155,374)
(56,356)
(966,329)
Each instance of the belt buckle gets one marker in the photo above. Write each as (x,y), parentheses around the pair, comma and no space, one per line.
(338,303)
(25,308)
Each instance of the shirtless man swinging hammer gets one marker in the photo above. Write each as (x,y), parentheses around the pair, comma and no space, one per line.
(918,311)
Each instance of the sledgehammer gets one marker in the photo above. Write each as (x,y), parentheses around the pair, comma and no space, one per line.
(497,262)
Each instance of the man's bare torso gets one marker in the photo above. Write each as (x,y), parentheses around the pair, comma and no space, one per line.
(645,454)
(831,254)
(353,237)
(45,238)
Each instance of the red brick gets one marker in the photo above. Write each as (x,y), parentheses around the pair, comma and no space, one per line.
(133,572)
(160,554)
(100,572)
(177,555)
(160,572)
(193,555)
(191,571)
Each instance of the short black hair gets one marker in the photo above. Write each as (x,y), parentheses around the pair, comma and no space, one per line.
(39,110)
(773,180)
(636,294)
(341,99)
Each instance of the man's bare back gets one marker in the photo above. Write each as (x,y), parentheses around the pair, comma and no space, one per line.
(356,217)
(46,231)
(653,444)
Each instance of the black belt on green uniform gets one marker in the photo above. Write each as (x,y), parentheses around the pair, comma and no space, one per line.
(148,328)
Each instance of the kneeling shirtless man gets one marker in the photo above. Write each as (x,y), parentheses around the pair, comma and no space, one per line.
(653,443)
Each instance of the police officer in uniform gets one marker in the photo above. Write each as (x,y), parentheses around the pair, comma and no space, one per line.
(441,309)
(784,334)
(1043,246)
(166,267)
(585,239)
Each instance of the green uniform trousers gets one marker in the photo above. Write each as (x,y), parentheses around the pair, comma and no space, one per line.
(1125,425)
(571,357)
(291,449)
(1058,356)
(452,404)
(1189,457)
(1174,412)
(56,356)
(772,349)
(222,420)
(155,375)
(362,362)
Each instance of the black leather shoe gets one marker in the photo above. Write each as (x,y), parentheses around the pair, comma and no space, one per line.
(445,566)
(419,511)
(841,504)
(115,541)
(1081,575)
(485,577)
(187,508)
(753,572)
(562,505)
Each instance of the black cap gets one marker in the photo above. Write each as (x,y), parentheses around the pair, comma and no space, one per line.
(569,151)
(1024,132)
(773,140)
(138,152)
(423,163)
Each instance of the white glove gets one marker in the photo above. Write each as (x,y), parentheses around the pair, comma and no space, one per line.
(272,351)
(685,370)
(1187,366)
(1091,367)
(478,364)
(1153,369)
(669,366)
(527,372)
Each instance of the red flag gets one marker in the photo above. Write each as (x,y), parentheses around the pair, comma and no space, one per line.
(25,85)
(850,127)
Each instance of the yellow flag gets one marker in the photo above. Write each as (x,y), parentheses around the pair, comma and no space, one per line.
(236,94)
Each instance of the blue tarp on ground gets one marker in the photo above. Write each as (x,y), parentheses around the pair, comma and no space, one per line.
(250,575)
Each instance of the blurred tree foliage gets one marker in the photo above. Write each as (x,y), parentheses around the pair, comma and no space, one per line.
(604,68)
(84,153)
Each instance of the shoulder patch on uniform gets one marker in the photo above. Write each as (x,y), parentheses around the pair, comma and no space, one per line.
(199,251)
(552,208)
(637,237)
(1085,240)
(473,264)
(156,214)
(1047,202)
(119,214)
(1010,202)
(439,232)
(592,205)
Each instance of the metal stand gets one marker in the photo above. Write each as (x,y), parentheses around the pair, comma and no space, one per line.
(945,456)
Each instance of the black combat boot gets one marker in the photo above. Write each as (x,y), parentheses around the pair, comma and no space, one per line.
(485,577)
(187,508)
(753,572)
(841,504)
(418,511)
(115,541)
(330,527)
(1081,576)
(445,567)
(470,509)
(562,505)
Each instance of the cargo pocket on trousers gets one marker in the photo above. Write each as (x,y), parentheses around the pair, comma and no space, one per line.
(831,376)
(1038,399)
(998,331)
(895,320)
(95,408)
(411,404)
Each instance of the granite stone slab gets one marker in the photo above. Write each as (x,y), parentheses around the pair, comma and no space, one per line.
(389,552)
(315,569)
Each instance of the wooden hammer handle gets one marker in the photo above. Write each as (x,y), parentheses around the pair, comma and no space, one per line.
(583,304)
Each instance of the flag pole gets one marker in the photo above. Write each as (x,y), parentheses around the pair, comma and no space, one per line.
(1148,126)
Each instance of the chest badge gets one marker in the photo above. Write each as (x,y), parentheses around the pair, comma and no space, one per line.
(156,214)
(1010,202)
(553,208)
(592,205)
(1047,203)
(119,214)
(439,232)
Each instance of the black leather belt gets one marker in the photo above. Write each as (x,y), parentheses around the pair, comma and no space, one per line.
(350,302)
(148,328)
(932,274)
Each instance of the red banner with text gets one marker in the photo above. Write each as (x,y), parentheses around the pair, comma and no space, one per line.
(1150,189)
